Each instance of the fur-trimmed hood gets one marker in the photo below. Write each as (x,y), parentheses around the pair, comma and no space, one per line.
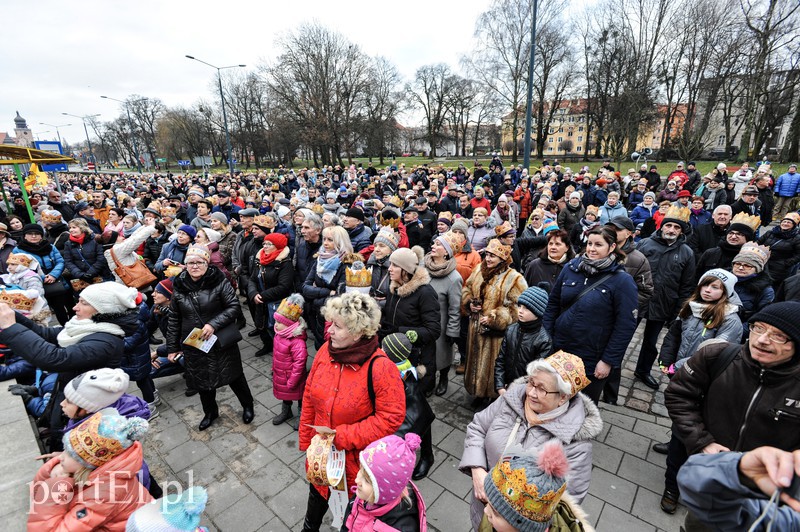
(420,278)
(581,421)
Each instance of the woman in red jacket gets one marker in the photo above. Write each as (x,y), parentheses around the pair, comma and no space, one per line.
(337,396)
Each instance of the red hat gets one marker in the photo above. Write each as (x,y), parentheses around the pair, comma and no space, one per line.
(278,240)
(684,194)
(600,182)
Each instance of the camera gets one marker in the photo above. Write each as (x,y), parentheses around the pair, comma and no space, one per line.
(369,204)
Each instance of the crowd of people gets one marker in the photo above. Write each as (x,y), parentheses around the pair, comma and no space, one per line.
(530,285)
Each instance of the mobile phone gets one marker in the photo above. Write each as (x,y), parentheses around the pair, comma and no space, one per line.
(380,293)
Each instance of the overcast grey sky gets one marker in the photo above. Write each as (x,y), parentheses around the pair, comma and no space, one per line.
(60,57)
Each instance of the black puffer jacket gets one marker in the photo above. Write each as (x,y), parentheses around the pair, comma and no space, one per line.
(85,261)
(380,278)
(542,269)
(673,275)
(743,408)
(521,345)
(415,306)
(638,267)
(210,300)
(273,282)
(304,260)
(784,248)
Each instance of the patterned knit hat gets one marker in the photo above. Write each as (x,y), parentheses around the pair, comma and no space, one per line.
(102,437)
(388,238)
(570,368)
(97,389)
(290,310)
(451,243)
(198,251)
(535,300)
(172,513)
(754,255)
(727,279)
(525,489)
(499,250)
(549,225)
(389,463)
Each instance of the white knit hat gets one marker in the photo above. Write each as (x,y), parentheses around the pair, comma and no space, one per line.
(213,235)
(97,389)
(110,297)
(282,211)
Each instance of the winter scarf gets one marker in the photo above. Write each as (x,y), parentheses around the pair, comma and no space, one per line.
(78,239)
(74,330)
(293,330)
(587,226)
(503,212)
(266,258)
(439,270)
(358,353)
(488,276)
(594,266)
(42,249)
(540,419)
(327,265)
(128,232)
(777,231)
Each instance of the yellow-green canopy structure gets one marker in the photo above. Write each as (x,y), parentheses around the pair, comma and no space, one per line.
(17,155)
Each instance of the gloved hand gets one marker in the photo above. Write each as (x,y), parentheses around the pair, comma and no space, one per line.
(26,392)
(87,277)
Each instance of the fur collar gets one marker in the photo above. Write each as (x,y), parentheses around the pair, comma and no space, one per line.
(283,254)
(420,278)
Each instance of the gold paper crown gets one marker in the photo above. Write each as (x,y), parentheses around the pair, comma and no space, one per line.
(523,496)
(793,216)
(570,368)
(358,275)
(51,217)
(753,248)
(20,258)
(678,213)
(291,310)
(317,209)
(17,300)
(499,250)
(262,220)
(92,448)
(169,211)
(753,222)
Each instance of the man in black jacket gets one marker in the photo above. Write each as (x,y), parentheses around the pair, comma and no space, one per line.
(707,236)
(721,403)
(672,265)
(307,247)
(54,200)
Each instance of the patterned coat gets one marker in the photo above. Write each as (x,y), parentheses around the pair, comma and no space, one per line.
(499,305)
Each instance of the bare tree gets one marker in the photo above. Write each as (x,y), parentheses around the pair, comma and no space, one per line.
(551,76)
(431,91)
(383,100)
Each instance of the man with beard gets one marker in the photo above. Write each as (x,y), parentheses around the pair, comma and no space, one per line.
(672,265)
(54,200)
(707,236)
(101,208)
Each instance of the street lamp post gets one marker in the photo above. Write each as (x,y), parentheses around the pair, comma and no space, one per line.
(133,134)
(224,114)
(529,105)
(86,130)
(55,126)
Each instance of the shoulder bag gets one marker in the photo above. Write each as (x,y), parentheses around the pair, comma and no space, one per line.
(136,275)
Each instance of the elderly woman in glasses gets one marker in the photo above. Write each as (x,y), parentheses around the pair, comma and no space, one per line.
(542,406)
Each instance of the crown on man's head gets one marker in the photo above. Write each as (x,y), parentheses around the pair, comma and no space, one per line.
(751,221)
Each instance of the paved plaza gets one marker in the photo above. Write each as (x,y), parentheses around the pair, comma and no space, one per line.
(256,481)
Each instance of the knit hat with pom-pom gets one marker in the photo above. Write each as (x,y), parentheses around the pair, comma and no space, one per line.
(102,437)
(525,489)
(173,513)
(389,463)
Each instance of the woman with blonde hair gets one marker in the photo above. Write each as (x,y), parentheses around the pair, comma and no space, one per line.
(337,392)
(326,275)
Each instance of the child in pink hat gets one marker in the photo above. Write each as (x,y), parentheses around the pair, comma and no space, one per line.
(384,491)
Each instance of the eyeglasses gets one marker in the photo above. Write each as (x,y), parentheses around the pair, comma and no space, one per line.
(774,337)
(735,233)
(743,266)
(196,264)
(539,389)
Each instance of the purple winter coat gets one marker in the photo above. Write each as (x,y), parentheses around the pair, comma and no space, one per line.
(289,354)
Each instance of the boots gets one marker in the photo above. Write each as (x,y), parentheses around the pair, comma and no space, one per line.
(285,415)
(425,461)
(441,388)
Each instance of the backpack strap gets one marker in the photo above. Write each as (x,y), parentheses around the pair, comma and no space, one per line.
(370,385)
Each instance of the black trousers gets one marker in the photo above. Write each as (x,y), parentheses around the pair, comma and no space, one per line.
(676,457)
(649,351)
(239,386)
(595,388)
(315,510)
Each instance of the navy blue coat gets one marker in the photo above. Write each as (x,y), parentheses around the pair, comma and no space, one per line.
(85,260)
(136,357)
(598,326)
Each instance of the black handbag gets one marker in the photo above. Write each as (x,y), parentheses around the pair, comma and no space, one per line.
(228,335)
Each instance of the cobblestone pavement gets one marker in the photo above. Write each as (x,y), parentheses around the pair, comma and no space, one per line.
(256,481)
